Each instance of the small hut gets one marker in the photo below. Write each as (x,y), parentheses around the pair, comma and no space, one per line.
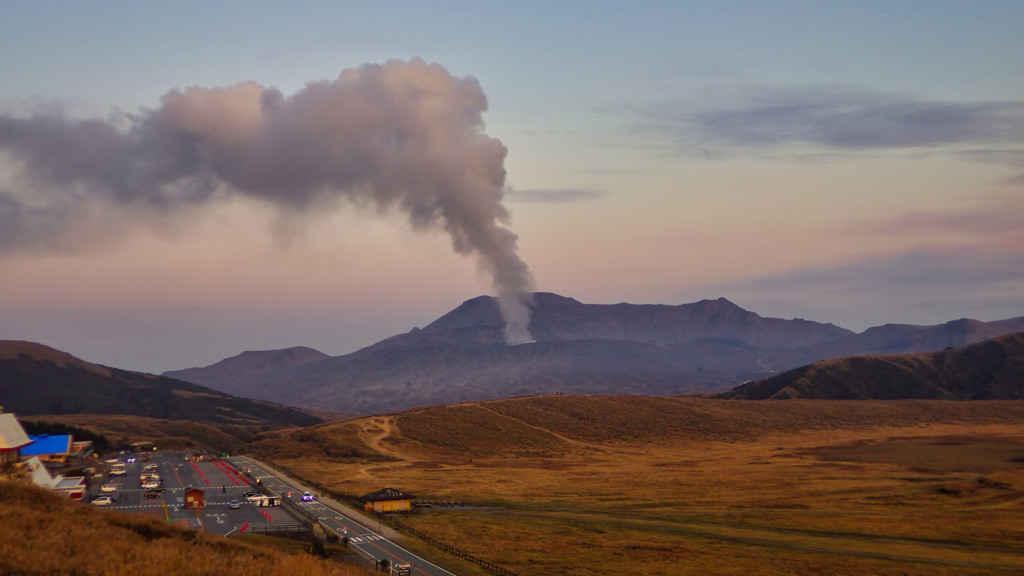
(388,500)
(194,498)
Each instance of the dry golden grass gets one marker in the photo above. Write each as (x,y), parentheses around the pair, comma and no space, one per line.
(613,485)
(44,535)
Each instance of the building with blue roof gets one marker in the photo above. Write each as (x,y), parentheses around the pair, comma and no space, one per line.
(53,450)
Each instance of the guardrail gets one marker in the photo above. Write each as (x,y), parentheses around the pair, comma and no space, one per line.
(274,528)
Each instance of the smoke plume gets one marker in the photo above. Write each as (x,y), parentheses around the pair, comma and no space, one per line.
(402,135)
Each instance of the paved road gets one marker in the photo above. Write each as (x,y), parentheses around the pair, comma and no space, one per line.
(219,482)
(337,518)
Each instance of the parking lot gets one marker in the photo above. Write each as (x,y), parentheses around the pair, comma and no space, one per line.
(159,483)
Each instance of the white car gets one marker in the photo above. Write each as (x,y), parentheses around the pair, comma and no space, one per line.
(102,501)
(151,484)
(307,497)
(109,488)
(117,472)
(150,467)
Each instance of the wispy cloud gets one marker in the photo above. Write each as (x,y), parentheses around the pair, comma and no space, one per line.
(554,195)
(834,117)
(926,268)
(996,219)
(915,286)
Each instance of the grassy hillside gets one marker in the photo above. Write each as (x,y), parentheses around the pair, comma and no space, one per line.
(551,425)
(988,370)
(44,535)
(602,485)
(121,431)
(35,379)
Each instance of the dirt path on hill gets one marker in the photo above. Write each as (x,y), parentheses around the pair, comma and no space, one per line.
(373,435)
(761,362)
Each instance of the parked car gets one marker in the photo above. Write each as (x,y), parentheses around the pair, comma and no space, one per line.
(109,488)
(117,472)
(102,501)
(151,484)
(150,494)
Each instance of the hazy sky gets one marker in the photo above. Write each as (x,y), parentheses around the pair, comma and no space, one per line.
(849,162)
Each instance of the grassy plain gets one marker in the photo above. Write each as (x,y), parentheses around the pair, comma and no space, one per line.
(590,485)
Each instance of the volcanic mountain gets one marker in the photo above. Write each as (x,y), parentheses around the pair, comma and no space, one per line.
(711,345)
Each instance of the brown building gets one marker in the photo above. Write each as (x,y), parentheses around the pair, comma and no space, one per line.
(194,498)
(388,500)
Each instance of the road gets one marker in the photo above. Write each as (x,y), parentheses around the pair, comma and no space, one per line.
(336,517)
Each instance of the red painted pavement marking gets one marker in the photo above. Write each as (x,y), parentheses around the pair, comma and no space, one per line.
(231,474)
(243,528)
(201,475)
(267,516)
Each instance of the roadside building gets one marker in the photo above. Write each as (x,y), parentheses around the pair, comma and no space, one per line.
(143,446)
(388,500)
(22,453)
(194,498)
(12,439)
(53,451)
(83,449)
(73,487)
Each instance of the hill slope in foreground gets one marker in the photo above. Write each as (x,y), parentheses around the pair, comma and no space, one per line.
(42,534)
(606,485)
(988,370)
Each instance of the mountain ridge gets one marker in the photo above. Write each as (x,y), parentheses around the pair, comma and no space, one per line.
(703,347)
(238,368)
(36,379)
(992,369)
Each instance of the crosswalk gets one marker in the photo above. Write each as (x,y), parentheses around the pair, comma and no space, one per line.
(367,538)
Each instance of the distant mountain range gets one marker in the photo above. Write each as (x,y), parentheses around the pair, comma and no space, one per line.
(993,369)
(707,346)
(39,380)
